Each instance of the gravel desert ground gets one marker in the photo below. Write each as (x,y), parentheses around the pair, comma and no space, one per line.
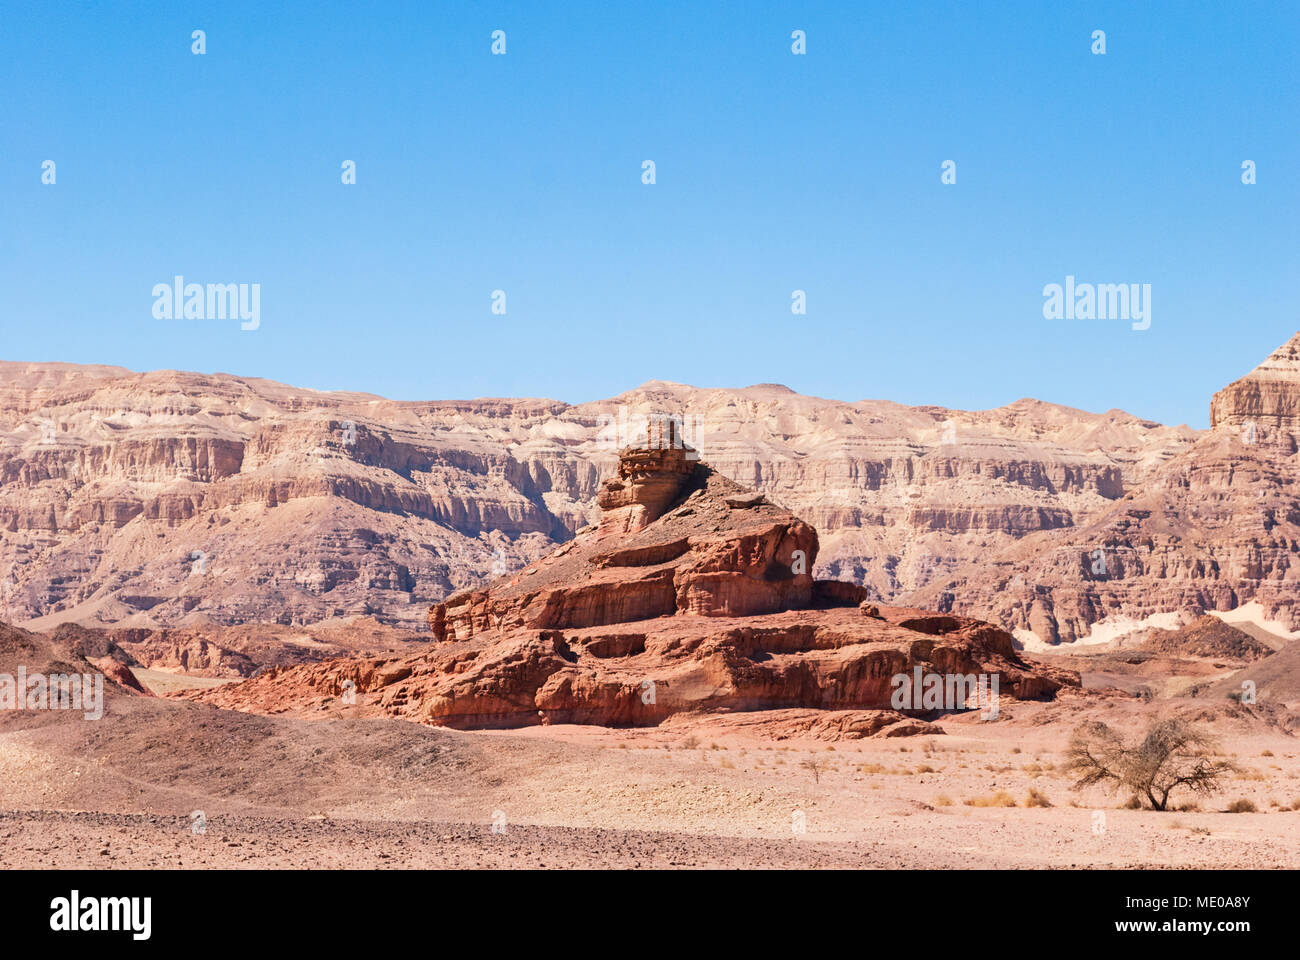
(173,784)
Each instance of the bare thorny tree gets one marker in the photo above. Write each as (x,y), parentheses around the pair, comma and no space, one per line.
(1172,754)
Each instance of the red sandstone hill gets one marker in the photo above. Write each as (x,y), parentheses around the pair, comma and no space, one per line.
(1208,637)
(692,595)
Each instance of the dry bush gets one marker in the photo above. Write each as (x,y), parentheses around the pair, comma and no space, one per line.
(1241,806)
(999,799)
(1037,799)
(1171,754)
(943,800)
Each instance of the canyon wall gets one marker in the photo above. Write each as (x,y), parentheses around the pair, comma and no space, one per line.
(165,497)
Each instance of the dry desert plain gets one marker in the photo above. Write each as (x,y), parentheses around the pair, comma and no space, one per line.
(336,791)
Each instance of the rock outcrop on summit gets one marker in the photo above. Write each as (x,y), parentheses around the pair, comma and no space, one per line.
(674,538)
(692,595)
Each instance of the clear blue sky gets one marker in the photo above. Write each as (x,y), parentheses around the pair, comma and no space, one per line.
(775,172)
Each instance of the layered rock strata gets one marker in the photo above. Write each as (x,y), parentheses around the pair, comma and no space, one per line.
(1213,529)
(706,606)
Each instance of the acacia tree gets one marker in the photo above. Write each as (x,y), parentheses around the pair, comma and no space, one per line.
(1172,754)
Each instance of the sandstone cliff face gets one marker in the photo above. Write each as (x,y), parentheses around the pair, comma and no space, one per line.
(640,675)
(172,498)
(1214,528)
(1266,400)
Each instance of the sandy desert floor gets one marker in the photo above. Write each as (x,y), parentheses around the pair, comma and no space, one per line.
(355,793)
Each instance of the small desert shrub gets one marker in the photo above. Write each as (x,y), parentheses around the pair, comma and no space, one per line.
(1133,803)
(999,799)
(943,800)
(870,768)
(1172,754)
(1241,806)
(1015,749)
(1037,798)
(1190,807)
(1267,753)
(690,743)
(926,768)
(1203,831)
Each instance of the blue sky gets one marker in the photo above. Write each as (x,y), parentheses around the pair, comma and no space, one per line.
(774,172)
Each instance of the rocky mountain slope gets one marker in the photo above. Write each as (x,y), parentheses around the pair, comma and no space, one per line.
(165,498)
(1214,528)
